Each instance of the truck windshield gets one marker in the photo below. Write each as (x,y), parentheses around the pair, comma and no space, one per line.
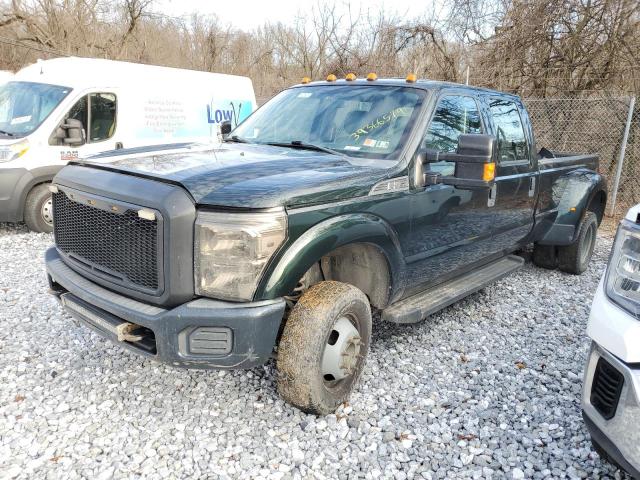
(25,105)
(355,120)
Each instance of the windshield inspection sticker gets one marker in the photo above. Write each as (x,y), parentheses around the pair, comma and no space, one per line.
(351,147)
(18,120)
(369,142)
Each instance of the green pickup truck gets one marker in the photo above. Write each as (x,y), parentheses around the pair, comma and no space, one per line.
(334,200)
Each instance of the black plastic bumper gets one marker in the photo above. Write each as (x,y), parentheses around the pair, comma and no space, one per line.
(202,333)
(605,442)
(13,182)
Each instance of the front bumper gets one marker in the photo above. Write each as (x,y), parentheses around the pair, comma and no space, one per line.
(202,333)
(13,185)
(619,436)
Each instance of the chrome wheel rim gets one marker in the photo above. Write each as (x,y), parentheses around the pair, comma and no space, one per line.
(47,211)
(341,352)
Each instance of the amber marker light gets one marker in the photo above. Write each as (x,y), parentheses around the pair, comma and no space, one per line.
(306,79)
(372,77)
(489,172)
(350,77)
(411,78)
(331,78)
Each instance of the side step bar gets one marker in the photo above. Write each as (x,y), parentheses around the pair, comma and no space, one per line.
(419,306)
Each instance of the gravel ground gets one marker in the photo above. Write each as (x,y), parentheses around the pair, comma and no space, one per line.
(488,388)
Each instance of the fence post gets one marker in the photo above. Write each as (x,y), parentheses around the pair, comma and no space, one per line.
(623,148)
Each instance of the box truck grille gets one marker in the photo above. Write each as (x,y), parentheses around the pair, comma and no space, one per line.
(606,388)
(120,247)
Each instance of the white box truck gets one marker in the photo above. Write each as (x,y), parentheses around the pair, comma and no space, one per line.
(63,109)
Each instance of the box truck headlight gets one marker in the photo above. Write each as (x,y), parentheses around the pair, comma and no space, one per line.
(232,251)
(11,152)
(623,272)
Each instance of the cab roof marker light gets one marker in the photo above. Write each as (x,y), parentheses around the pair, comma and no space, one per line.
(306,80)
(412,78)
(350,77)
(372,77)
(331,78)
(146,214)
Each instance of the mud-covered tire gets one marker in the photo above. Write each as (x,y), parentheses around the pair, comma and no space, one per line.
(545,256)
(38,212)
(309,328)
(575,258)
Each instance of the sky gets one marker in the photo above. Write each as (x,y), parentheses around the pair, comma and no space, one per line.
(249,14)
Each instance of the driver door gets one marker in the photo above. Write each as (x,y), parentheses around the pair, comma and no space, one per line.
(451,228)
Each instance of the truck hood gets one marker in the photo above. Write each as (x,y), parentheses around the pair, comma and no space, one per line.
(253,176)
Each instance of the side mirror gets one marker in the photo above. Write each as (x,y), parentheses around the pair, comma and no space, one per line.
(74,133)
(474,160)
(225,127)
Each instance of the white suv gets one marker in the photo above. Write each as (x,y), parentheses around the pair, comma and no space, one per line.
(611,392)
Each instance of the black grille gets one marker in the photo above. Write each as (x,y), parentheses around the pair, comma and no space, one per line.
(121,247)
(606,388)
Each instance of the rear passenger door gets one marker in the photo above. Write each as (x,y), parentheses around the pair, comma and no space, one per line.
(514,193)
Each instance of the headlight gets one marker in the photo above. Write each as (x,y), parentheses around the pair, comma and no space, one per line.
(623,273)
(11,152)
(232,251)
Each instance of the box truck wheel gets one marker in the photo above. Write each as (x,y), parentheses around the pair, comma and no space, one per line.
(323,347)
(38,209)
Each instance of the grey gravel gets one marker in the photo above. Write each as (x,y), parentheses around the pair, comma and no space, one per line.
(488,388)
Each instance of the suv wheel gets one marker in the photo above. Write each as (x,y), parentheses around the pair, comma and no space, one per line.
(38,209)
(575,258)
(323,347)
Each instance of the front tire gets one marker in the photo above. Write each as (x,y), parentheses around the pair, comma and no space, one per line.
(38,209)
(323,347)
(575,258)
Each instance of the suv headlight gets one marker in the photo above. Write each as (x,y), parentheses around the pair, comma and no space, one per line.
(11,152)
(232,251)
(622,282)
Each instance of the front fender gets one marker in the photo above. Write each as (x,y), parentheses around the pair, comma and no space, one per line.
(572,194)
(300,255)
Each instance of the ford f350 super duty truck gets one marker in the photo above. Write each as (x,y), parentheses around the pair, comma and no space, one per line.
(334,199)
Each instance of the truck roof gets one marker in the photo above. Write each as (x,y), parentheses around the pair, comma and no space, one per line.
(76,72)
(424,84)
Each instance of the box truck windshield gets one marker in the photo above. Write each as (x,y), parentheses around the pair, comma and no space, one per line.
(25,105)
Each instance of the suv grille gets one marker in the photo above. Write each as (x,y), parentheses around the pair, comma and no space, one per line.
(121,247)
(606,388)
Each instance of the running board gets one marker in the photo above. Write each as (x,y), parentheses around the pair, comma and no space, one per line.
(421,305)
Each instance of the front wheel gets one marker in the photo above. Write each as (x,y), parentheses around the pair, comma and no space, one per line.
(575,258)
(323,347)
(38,209)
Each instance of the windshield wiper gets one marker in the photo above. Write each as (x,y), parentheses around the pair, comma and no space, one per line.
(236,139)
(9,134)
(305,146)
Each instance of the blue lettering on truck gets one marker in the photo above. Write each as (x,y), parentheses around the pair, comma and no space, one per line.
(234,113)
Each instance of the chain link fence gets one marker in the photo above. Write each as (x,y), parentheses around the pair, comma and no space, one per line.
(594,125)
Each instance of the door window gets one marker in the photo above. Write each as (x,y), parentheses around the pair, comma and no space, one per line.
(455,115)
(512,142)
(97,112)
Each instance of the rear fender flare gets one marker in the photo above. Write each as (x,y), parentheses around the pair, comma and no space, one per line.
(573,193)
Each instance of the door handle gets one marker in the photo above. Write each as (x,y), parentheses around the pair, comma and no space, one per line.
(532,186)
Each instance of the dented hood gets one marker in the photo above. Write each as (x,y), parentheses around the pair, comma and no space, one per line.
(254,176)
